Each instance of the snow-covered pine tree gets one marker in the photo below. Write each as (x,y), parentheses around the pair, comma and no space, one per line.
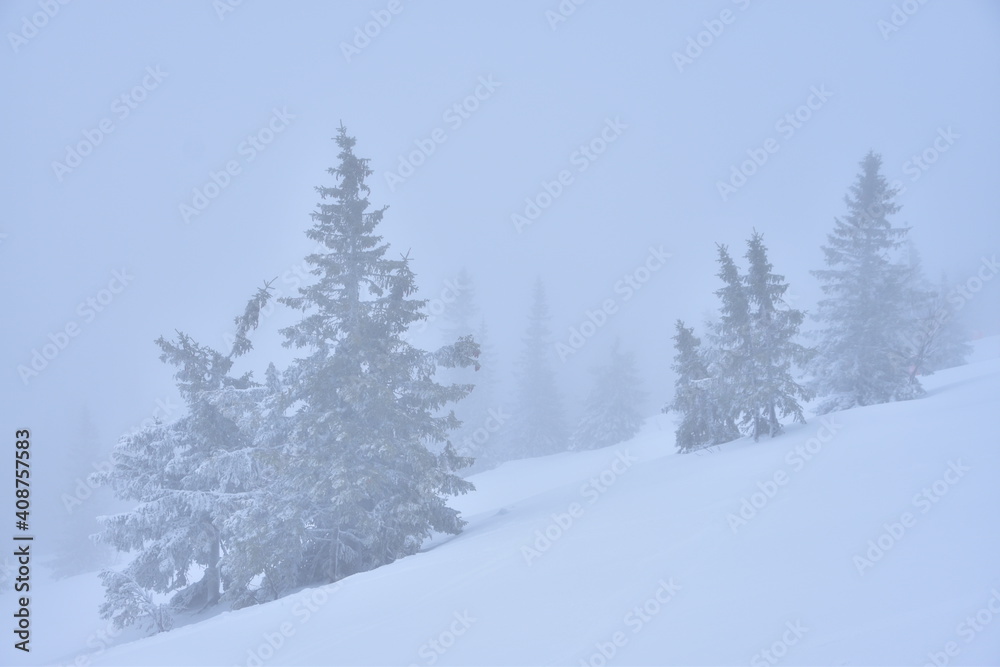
(366,487)
(731,352)
(612,412)
(129,603)
(865,306)
(774,326)
(699,397)
(256,567)
(186,478)
(538,426)
(951,343)
(937,338)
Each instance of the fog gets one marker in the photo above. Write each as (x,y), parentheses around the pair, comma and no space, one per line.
(626,115)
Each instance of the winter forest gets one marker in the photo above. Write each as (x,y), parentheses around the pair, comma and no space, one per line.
(619,382)
(366,436)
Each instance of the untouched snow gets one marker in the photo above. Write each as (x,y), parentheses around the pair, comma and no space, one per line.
(646,568)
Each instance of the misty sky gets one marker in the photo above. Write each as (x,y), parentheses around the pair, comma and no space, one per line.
(264,87)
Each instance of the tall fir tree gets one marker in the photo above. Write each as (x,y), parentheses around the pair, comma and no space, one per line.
(366,486)
(733,328)
(732,342)
(612,412)
(773,352)
(699,397)
(865,304)
(538,426)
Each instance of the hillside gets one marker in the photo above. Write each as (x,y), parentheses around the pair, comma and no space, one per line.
(867,537)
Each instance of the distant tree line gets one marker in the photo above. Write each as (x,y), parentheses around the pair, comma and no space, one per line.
(881,327)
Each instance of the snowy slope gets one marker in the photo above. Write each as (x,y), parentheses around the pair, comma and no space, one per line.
(646,561)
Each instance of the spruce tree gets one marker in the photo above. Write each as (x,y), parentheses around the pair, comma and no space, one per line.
(613,409)
(733,327)
(538,423)
(256,568)
(864,309)
(732,343)
(772,352)
(360,475)
(699,397)
(186,479)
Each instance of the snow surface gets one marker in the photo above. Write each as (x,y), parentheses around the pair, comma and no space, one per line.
(656,531)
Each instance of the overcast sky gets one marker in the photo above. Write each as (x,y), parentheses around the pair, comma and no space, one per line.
(153,98)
